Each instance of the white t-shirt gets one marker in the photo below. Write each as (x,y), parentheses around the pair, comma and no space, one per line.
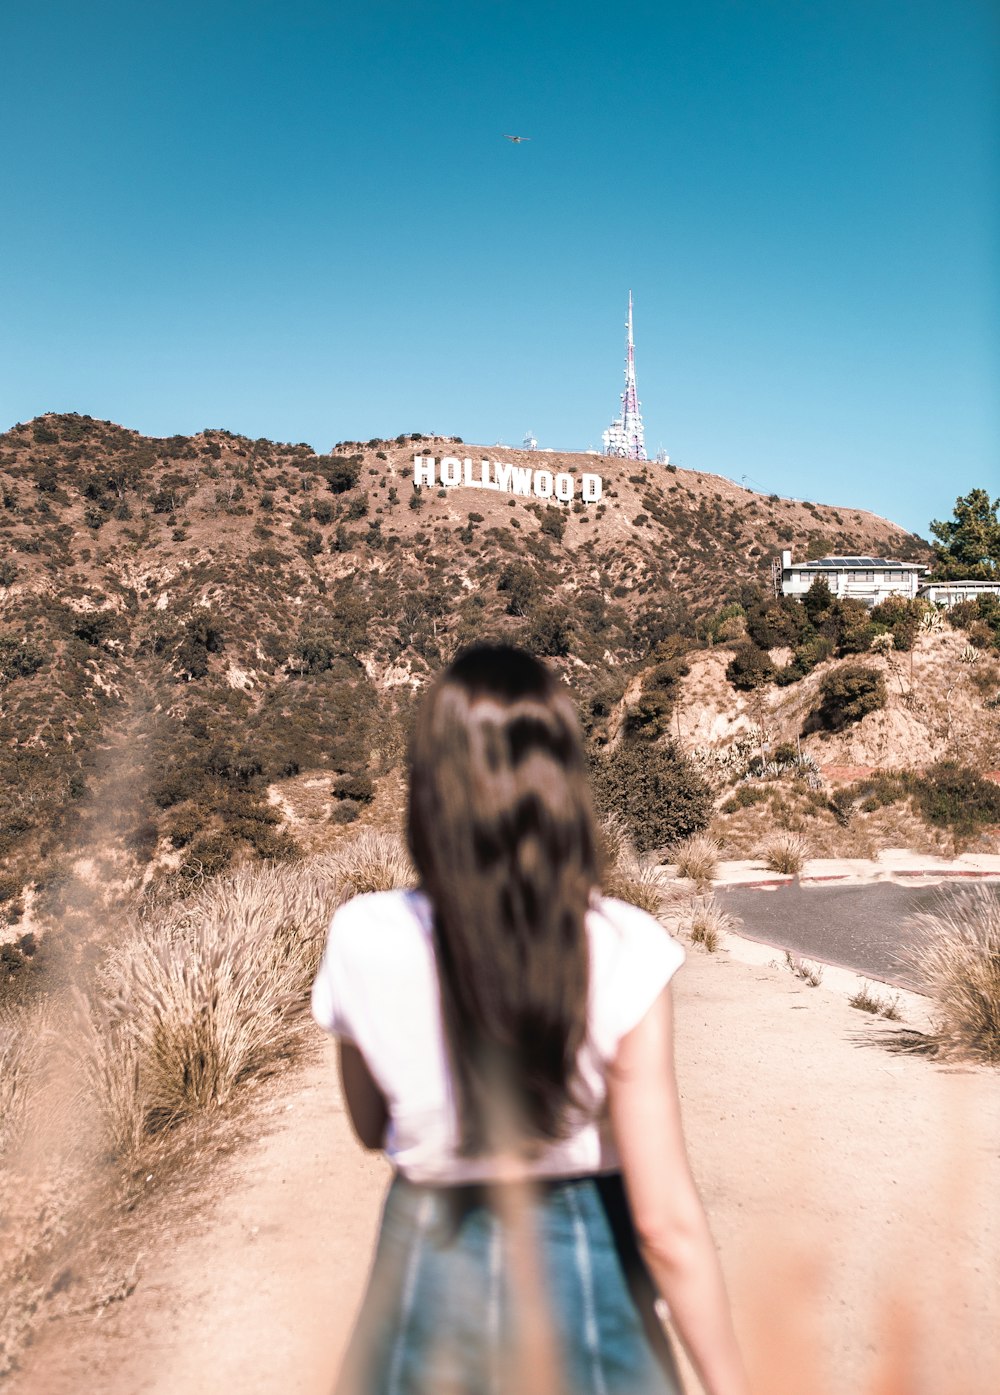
(377,987)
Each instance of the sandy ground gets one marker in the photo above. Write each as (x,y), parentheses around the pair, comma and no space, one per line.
(854,1193)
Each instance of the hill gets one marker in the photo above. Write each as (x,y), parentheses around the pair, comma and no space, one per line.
(190,626)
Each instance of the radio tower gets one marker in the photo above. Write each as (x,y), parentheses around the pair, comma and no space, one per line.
(624,437)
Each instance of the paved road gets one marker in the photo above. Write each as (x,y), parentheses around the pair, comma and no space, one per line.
(863,928)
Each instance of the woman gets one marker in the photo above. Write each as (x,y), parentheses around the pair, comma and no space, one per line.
(506,1036)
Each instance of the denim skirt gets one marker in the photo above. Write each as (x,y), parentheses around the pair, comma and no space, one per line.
(506,1291)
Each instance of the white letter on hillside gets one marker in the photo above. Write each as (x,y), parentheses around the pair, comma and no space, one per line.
(470,483)
(423,469)
(521,478)
(592,486)
(564,488)
(502,474)
(543,484)
(451,470)
(484,471)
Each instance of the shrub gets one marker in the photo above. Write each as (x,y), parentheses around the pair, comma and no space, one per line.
(958,957)
(551,633)
(655,789)
(786,853)
(848,695)
(696,857)
(750,668)
(745,797)
(341,472)
(951,795)
(209,853)
(358,787)
(805,657)
(520,586)
(18,659)
(901,617)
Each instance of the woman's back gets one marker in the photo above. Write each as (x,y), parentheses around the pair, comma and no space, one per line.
(378,988)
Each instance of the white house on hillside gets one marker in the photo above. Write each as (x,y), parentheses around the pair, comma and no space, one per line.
(949,593)
(868,579)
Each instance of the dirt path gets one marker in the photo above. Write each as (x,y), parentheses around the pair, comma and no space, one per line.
(836,1173)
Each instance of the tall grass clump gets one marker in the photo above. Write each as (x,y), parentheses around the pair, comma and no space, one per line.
(373,861)
(958,957)
(626,876)
(696,857)
(785,853)
(201,994)
(707,922)
(23,1049)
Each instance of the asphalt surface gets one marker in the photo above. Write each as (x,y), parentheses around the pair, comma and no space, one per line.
(862,928)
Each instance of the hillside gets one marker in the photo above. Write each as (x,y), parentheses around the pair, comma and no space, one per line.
(190,626)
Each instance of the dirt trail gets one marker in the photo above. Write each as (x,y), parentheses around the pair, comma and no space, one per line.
(834,1171)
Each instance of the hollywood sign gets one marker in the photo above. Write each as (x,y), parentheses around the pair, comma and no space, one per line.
(507,479)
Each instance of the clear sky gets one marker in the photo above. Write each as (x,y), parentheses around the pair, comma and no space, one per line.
(300,220)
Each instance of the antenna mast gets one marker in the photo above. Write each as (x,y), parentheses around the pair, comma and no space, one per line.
(625,437)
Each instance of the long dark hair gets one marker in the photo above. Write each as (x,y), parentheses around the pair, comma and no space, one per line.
(501,830)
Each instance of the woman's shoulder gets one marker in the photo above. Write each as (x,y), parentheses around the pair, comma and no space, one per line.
(633,958)
(377,914)
(623,920)
(620,932)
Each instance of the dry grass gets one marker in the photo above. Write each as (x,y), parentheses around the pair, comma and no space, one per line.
(958,956)
(203,993)
(866,999)
(706,922)
(373,861)
(627,876)
(24,1042)
(803,969)
(786,853)
(696,857)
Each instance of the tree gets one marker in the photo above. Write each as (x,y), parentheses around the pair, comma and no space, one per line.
(968,545)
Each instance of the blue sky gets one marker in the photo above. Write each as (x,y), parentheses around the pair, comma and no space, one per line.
(301,220)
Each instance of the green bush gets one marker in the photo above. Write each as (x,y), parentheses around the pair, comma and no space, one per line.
(341,472)
(18,659)
(654,788)
(357,787)
(750,668)
(901,617)
(551,633)
(805,658)
(848,695)
(951,795)
(745,797)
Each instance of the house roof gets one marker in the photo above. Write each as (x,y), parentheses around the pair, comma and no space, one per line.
(861,563)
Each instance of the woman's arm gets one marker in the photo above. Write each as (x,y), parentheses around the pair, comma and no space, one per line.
(669,1218)
(365,1102)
